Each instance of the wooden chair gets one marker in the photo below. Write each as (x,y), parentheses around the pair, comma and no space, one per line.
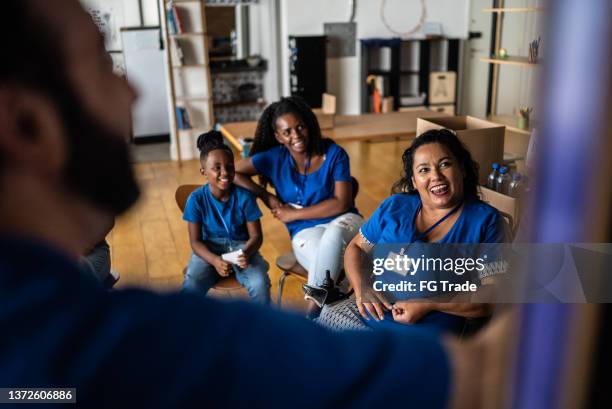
(288,264)
(224,284)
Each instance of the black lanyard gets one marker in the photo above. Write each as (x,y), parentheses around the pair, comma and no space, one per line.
(436,224)
(300,187)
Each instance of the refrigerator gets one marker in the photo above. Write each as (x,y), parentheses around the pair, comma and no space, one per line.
(144,64)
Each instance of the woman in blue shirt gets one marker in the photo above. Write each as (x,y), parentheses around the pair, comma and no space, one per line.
(312,179)
(224,218)
(438,203)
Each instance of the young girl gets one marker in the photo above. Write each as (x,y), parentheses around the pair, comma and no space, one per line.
(312,180)
(224,218)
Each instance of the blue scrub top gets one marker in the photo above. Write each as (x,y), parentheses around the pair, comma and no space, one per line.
(394,222)
(135,348)
(307,190)
(202,208)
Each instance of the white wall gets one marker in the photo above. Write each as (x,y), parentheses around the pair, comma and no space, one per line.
(263,36)
(298,17)
(125,13)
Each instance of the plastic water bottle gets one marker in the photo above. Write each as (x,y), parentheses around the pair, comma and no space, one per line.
(503,180)
(491,179)
(515,188)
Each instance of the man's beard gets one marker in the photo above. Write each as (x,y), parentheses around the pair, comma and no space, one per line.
(98,168)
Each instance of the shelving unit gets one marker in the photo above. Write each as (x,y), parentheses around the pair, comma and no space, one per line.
(405,67)
(518,61)
(189,77)
(513,9)
(522,61)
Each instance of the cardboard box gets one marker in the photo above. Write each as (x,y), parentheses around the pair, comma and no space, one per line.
(484,139)
(387,105)
(442,87)
(507,205)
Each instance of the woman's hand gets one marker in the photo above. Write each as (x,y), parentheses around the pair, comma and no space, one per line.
(223,268)
(285,213)
(407,312)
(272,202)
(374,303)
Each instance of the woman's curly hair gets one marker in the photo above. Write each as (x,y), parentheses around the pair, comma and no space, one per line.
(460,152)
(266,127)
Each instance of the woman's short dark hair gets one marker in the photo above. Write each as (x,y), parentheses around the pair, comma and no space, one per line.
(460,152)
(210,141)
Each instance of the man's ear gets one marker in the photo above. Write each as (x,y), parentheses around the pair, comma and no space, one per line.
(31,131)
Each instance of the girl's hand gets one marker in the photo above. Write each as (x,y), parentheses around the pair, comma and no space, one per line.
(223,268)
(272,201)
(409,312)
(285,213)
(243,262)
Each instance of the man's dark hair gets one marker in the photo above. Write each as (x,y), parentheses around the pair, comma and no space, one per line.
(98,166)
(460,152)
(33,58)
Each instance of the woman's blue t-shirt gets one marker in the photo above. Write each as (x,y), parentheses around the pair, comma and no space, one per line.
(306,190)
(393,222)
(202,208)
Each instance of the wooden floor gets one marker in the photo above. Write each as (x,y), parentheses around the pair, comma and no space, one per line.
(150,246)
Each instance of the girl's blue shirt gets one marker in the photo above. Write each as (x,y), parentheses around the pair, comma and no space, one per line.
(202,208)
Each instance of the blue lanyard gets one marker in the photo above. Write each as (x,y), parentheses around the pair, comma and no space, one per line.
(220,214)
(300,187)
(436,224)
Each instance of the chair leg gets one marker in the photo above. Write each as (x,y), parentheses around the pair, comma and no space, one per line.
(281,284)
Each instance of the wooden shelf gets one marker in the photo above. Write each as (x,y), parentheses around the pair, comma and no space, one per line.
(196,98)
(190,66)
(195,130)
(511,123)
(379,72)
(237,103)
(514,10)
(187,35)
(198,103)
(521,61)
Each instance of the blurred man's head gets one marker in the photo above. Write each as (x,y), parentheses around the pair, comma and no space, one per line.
(63,112)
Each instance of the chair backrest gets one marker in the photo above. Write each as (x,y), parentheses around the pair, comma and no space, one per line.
(355,185)
(182,193)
